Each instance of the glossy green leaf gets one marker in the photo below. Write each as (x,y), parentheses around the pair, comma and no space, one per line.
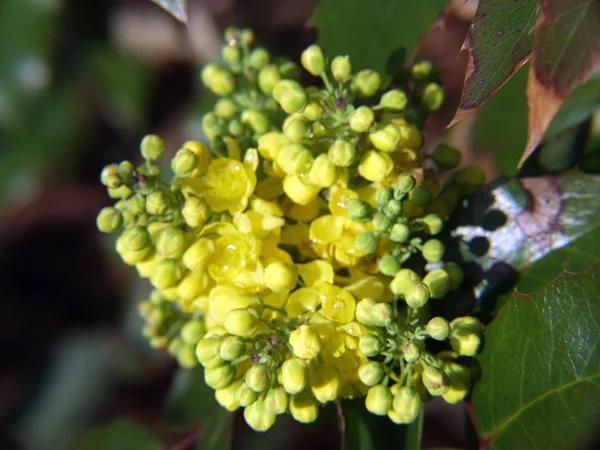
(192,403)
(499,43)
(119,435)
(540,366)
(377,34)
(177,8)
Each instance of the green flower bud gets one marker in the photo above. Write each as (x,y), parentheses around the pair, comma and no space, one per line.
(192,332)
(297,128)
(257,377)
(383,197)
(456,274)
(122,192)
(364,309)
(341,68)
(212,126)
(152,147)
(235,128)
(241,322)
(446,157)
(219,377)
(371,373)
(395,100)
(305,342)
(126,168)
(468,180)
(323,172)
(247,37)
(358,210)
(362,119)
(245,395)
(432,223)
(135,238)
(304,407)
(294,159)
(385,138)
(225,108)
(276,400)
(421,70)
(433,96)
(432,250)
(157,203)
(171,242)
(416,294)
(313,111)
(406,404)
(136,205)
(467,324)
(258,417)
(186,357)
(207,351)
(232,347)
(268,77)
(290,95)
(312,60)
(370,345)
(438,283)
(438,328)
(401,280)
(404,184)
(393,208)
(366,83)
(381,222)
(110,177)
(259,58)
(366,243)
(109,220)
(218,80)
(195,212)
(465,344)
(381,314)
(256,120)
(389,266)
(399,233)
(342,153)
(288,69)
(379,400)
(231,54)
(435,381)
(293,375)
(420,196)
(166,274)
(184,162)
(411,352)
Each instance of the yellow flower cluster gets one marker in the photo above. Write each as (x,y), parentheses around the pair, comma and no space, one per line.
(279,256)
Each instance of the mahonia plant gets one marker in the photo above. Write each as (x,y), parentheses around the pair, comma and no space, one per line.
(295,256)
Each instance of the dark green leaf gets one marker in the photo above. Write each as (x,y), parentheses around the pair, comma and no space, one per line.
(119,435)
(540,384)
(499,43)
(177,8)
(377,34)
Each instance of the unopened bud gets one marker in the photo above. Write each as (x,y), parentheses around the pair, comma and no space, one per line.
(379,400)
(381,314)
(375,166)
(435,381)
(438,328)
(403,185)
(416,294)
(293,375)
(433,96)
(362,119)
(358,210)
(312,60)
(364,309)
(366,243)
(385,138)
(294,159)
(411,352)
(305,342)
(276,400)
(342,153)
(406,404)
(297,128)
(401,280)
(245,395)
(259,58)
(323,172)
(219,377)
(135,238)
(341,68)
(438,283)
(389,266)
(432,250)
(192,332)
(281,276)
(446,157)
(420,196)
(370,345)
(257,377)
(171,242)
(109,220)
(371,373)
(268,77)
(395,100)
(195,212)
(421,70)
(232,347)
(241,322)
(218,80)
(152,147)
(399,233)
(304,407)
(366,83)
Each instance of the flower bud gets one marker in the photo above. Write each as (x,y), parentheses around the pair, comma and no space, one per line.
(435,380)
(226,397)
(446,157)
(313,111)
(324,382)
(219,377)
(195,212)
(231,54)
(171,242)
(459,383)
(393,208)
(289,69)
(281,277)
(305,342)
(259,58)
(109,220)
(371,373)
(381,314)
(293,375)
(207,351)
(304,407)
(416,294)
(438,328)
(312,60)
(247,37)
(110,176)
(432,250)
(366,243)
(382,197)
(342,153)
(421,70)
(157,203)
(166,274)
(152,147)
(370,345)
(432,223)
(433,96)
(232,347)
(385,138)
(420,196)
(256,120)
(468,180)
(411,352)
(218,80)
(358,210)
(362,119)
(276,400)
(401,280)
(456,274)
(270,143)
(375,166)
(323,173)
(212,126)
(192,332)
(257,377)
(465,344)
(381,222)
(379,400)
(389,266)
(235,127)
(438,283)
(399,233)
(341,68)
(366,83)
(299,192)
(395,100)
(135,238)
(225,108)
(258,417)
(122,192)
(186,357)
(297,128)
(136,204)
(290,95)
(364,309)
(241,322)
(245,395)
(406,404)
(268,77)
(294,159)
(404,184)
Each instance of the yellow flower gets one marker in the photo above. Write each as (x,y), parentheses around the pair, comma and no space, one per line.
(324,382)
(305,342)
(228,185)
(338,304)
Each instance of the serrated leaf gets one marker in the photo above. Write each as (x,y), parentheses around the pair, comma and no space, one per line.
(177,8)
(121,434)
(499,43)
(566,51)
(540,366)
(377,34)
